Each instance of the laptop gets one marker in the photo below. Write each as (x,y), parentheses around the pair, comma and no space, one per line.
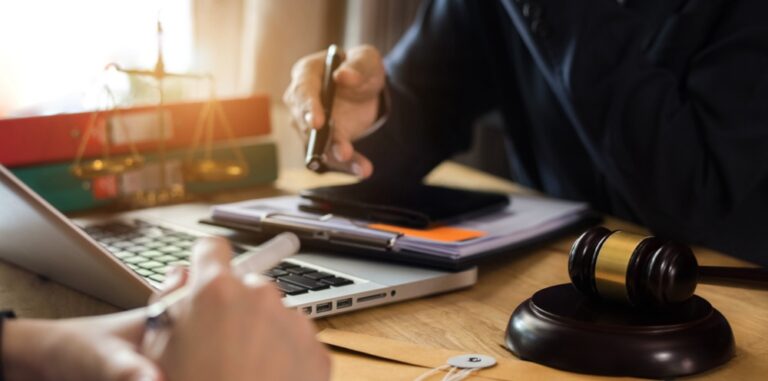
(121,259)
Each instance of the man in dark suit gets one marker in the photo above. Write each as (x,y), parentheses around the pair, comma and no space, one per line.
(652,110)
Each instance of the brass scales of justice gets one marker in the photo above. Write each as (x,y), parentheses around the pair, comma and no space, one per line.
(199,164)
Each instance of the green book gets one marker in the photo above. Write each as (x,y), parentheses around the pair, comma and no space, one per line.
(56,184)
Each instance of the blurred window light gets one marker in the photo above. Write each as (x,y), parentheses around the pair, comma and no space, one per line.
(53,52)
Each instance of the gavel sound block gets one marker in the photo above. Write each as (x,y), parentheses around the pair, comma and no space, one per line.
(630,311)
(560,327)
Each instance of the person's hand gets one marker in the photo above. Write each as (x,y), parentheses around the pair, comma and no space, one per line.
(102,348)
(232,329)
(359,81)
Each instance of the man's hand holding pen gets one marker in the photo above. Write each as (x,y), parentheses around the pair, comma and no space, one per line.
(359,82)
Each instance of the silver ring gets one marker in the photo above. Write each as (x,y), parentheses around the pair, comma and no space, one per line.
(158,319)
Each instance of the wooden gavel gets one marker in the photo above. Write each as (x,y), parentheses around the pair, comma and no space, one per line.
(646,271)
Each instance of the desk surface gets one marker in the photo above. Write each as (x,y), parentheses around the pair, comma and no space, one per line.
(471,320)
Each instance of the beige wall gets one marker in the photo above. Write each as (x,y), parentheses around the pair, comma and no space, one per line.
(250,45)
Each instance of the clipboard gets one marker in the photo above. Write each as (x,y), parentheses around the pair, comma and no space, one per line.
(380,252)
(322,232)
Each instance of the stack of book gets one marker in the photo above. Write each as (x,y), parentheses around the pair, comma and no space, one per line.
(40,150)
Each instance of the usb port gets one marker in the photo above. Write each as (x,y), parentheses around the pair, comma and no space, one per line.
(307,310)
(343,303)
(325,307)
(368,298)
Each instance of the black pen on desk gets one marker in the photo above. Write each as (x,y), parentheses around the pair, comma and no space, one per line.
(317,145)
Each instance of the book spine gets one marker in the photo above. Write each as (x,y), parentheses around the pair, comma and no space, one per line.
(56,184)
(47,139)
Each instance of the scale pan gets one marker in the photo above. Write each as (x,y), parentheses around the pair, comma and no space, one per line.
(214,170)
(106,166)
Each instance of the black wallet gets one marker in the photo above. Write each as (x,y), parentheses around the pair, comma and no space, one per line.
(416,206)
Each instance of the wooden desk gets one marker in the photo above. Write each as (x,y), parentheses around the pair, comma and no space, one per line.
(471,320)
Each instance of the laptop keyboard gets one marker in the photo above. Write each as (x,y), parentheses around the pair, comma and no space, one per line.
(150,250)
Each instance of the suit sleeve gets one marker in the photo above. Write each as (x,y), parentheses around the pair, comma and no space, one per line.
(678,124)
(436,92)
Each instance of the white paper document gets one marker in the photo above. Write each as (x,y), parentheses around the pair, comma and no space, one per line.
(524,219)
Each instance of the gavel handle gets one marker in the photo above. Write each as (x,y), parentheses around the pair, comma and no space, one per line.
(743,277)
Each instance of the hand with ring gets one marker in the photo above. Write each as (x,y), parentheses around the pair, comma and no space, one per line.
(231,328)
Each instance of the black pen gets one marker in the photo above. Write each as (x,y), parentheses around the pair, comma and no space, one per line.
(317,144)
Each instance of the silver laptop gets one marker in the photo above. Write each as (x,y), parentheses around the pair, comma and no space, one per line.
(122,258)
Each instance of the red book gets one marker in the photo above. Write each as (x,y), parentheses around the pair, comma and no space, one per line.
(55,138)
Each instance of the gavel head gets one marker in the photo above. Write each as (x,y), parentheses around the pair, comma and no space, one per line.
(641,271)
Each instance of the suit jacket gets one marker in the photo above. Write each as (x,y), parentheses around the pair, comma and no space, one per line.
(651,110)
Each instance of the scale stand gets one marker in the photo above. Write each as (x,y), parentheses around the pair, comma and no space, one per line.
(206,169)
